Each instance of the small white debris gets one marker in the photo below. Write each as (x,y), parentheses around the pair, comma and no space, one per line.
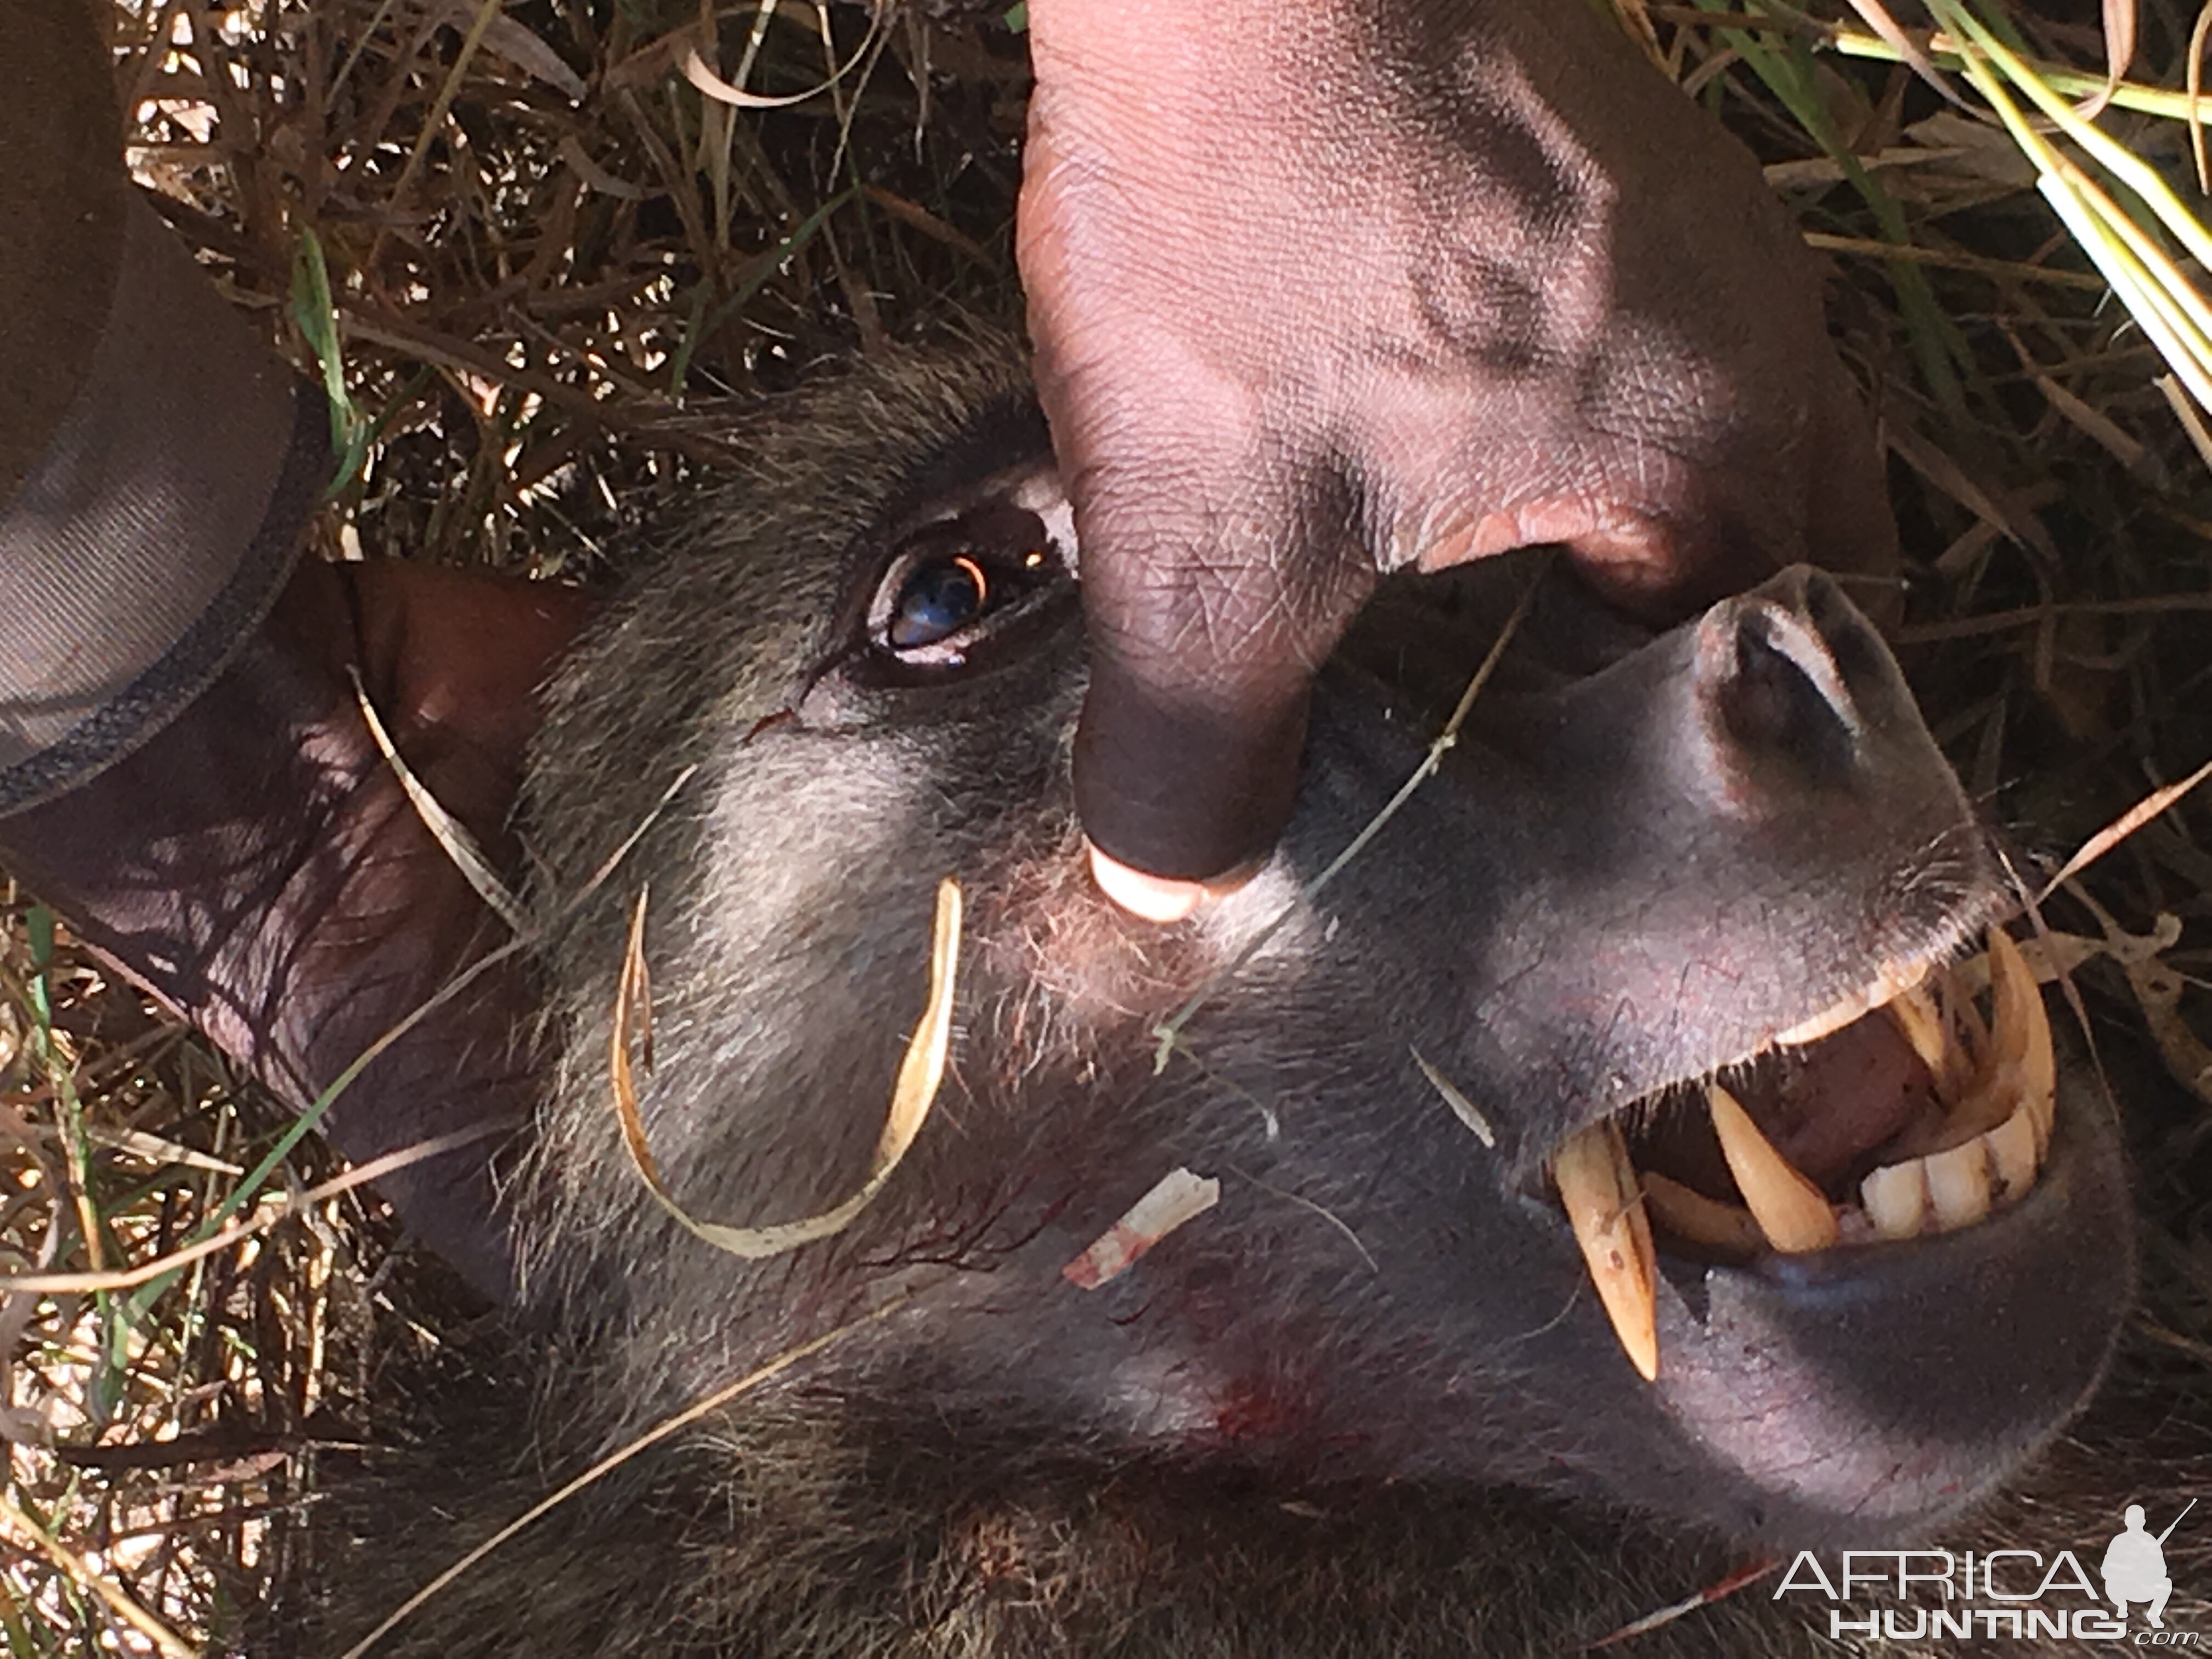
(1462,1108)
(1177,1197)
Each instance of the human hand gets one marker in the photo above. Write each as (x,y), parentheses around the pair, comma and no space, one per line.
(1323,292)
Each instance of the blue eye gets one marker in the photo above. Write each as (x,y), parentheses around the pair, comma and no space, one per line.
(943,596)
(955,586)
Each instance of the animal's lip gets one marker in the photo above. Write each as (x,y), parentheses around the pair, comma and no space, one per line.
(1777,1369)
(1964,1143)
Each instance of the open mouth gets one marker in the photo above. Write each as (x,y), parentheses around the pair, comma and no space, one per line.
(1922,1104)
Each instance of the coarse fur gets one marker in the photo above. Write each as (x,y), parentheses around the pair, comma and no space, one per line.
(1365,1406)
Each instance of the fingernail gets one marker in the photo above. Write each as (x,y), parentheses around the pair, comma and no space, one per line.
(1155,898)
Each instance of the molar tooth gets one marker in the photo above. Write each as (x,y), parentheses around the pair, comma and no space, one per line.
(2014,1156)
(1605,1207)
(1959,1185)
(1792,1212)
(1689,1214)
(1896,1199)
(2020,1038)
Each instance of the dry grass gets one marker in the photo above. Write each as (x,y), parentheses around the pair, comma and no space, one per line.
(166,1439)
(545,248)
(539,249)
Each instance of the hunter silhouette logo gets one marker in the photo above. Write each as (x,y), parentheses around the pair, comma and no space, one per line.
(2134,1566)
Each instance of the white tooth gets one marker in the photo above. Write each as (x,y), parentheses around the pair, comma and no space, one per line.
(1791,1211)
(2020,1039)
(1831,1019)
(1689,1214)
(1959,1185)
(1914,1013)
(1597,1185)
(1896,1199)
(2012,1156)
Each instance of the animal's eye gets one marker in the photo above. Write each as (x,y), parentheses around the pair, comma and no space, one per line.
(956,582)
(939,600)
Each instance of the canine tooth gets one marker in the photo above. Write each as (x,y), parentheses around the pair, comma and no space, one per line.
(1791,1211)
(1605,1207)
(1915,1014)
(2013,1155)
(1959,1185)
(2020,1042)
(1689,1214)
(1896,1199)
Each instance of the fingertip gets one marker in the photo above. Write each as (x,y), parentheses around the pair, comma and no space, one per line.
(1183,799)
(1162,899)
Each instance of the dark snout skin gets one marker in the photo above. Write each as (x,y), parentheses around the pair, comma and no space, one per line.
(1617,881)
(1726,832)
(1633,879)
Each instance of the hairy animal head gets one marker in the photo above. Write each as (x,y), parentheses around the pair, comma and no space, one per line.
(1869,1274)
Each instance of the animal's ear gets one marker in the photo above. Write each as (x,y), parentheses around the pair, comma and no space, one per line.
(258,865)
(455,659)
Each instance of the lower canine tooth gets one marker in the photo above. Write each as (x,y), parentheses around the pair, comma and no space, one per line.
(1959,1185)
(1896,1199)
(1791,1210)
(1689,1214)
(1597,1185)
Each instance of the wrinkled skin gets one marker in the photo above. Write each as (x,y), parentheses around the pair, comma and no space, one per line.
(1329,291)
(1321,1416)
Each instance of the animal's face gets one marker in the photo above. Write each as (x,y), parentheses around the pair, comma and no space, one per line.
(1645,860)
